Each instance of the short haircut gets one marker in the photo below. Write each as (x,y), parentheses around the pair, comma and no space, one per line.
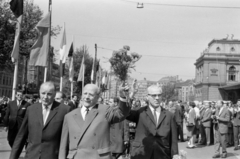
(62,94)
(19,91)
(192,104)
(98,92)
(49,83)
(74,95)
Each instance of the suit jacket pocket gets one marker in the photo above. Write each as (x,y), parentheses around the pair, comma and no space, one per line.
(104,150)
(71,154)
(136,144)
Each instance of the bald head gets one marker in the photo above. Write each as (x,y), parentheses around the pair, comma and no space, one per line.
(48,84)
(91,93)
(93,87)
(154,89)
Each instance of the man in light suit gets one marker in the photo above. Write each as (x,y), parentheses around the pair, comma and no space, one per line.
(42,127)
(236,125)
(206,122)
(86,130)
(156,132)
(221,129)
(14,116)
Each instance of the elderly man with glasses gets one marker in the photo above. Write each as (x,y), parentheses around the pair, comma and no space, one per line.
(156,132)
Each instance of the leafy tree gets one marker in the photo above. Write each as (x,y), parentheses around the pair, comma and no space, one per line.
(31,16)
(169,92)
(78,56)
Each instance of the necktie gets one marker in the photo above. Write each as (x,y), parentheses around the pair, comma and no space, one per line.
(87,110)
(45,110)
(155,116)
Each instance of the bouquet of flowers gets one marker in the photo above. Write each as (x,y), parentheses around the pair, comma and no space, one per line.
(122,63)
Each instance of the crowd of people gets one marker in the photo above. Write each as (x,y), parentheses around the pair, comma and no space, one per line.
(53,126)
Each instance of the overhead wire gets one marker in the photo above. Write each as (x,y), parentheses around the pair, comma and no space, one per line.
(153,55)
(188,6)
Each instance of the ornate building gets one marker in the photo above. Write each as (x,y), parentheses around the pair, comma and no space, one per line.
(217,71)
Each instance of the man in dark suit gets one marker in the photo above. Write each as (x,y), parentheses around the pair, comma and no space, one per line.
(14,116)
(86,130)
(236,125)
(73,103)
(156,132)
(221,129)
(119,133)
(41,126)
(179,119)
(201,128)
(206,122)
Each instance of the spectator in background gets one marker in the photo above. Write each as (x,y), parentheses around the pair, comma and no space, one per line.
(191,125)
(73,103)
(206,122)
(119,133)
(13,118)
(60,97)
(230,141)
(221,129)
(236,125)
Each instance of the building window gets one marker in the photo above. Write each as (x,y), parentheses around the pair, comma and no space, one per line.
(232,49)
(232,74)
(218,49)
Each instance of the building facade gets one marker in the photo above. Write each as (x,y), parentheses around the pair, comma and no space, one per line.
(217,71)
(186,91)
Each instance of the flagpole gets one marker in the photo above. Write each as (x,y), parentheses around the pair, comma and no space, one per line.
(72,78)
(15,80)
(61,75)
(46,67)
(83,70)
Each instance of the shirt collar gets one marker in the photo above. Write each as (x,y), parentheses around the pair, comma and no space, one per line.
(49,107)
(158,109)
(84,108)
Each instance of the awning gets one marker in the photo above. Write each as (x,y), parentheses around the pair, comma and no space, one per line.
(231,87)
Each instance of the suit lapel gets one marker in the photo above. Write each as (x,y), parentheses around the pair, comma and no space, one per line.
(52,113)
(15,107)
(39,113)
(162,116)
(78,118)
(150,115)
(88,120)
(22,104)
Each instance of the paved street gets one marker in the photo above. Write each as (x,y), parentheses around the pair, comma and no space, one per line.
(197,153)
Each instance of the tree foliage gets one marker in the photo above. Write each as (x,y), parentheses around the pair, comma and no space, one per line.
(169,92)
(31,16)
(78,56)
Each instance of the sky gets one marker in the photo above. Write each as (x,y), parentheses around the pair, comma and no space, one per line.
(169,38)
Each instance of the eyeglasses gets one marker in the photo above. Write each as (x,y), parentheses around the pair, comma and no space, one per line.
(155,95)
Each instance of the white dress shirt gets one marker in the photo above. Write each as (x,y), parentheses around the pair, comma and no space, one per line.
(158,111)
(19,102)
(84,111)
(46,111)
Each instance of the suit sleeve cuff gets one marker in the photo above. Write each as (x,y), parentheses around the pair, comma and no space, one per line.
(123,99)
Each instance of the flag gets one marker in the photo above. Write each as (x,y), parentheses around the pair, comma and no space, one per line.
(39,52)
(71,68)
(16,7)
(62,52)
(104,81)
(81,71)
(93,70)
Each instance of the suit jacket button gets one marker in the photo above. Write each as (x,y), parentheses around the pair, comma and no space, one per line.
(93,147)
(94,134)
(74,137)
